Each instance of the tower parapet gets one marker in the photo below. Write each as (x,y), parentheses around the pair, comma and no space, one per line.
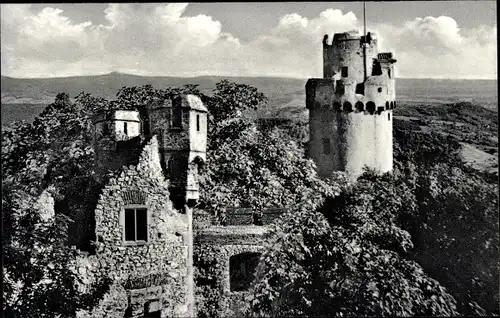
(347,54)
(350,108)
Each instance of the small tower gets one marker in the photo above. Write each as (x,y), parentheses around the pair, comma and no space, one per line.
(116,140)
(350,108)
(181,124)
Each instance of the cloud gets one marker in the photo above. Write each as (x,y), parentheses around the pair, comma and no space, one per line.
(160,39)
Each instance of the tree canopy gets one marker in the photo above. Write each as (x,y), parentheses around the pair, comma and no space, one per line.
(385,245)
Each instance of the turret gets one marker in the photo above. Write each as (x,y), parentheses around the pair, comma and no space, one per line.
(345,55)
(181,125)
(117,139)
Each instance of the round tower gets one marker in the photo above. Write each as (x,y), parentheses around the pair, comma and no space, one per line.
(117,135)
(350,108)
(348,53)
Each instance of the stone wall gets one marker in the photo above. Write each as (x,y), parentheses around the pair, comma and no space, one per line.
(155,270)
(213,249)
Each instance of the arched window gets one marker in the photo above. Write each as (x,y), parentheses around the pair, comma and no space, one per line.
(337,107)
(389,72)
(360,107)
(347,107)
(392,105)
(386,105)
(370,107)
(242,270)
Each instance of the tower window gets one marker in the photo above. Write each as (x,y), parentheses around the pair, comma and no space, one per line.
(389,73)
(197,122)
(125,129)
(242,269)
(176,113)
(105,129)
(379,89)
(326,146)
(389,116)
(136,225)
(344,71)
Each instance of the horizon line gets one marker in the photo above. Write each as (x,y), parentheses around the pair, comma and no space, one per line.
(241,76)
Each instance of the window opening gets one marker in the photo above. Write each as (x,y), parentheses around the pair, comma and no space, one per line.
(242,270)
(105,129)
(197,122)
(125,129)
(326,146)
(344,71)
(136,225)
(176,113)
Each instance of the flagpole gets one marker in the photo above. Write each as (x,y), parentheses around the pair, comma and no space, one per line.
(364,37)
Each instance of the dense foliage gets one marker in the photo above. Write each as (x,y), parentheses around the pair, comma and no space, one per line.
(381,246)
(53,155)
(416,215)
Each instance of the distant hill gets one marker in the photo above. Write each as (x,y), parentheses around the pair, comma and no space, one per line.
(26,98)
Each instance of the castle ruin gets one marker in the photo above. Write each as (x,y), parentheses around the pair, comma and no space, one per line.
(145,227)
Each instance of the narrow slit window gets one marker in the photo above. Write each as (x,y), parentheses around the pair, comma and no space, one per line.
(105,129)
(125,129)
(136,225)
(197,122)
(176,114)
(326,146)
(344,71)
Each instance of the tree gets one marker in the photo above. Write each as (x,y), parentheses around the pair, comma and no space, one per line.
(254,169)
(318,269)
(51,154)
(451,199)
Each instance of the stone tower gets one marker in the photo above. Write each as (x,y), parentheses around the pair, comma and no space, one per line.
(116,140)
(350,108)
(181,126)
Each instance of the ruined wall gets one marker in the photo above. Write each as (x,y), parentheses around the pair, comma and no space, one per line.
(114,147)
(157,269)
(214,246)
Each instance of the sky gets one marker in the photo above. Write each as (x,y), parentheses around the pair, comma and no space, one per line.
(438,39)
